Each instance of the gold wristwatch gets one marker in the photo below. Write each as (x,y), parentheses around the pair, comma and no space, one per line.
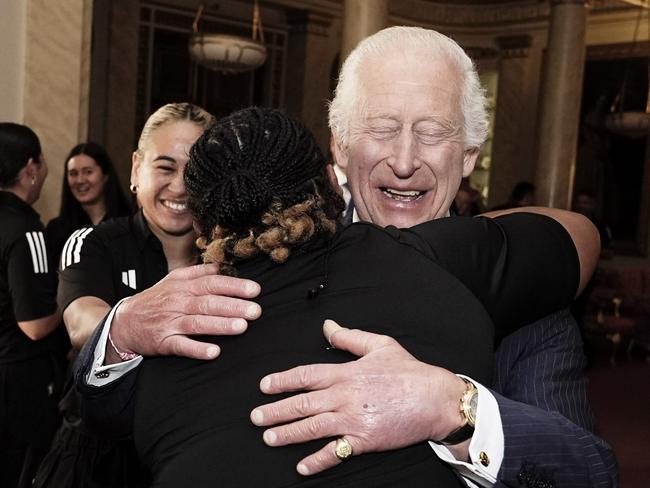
(468,408)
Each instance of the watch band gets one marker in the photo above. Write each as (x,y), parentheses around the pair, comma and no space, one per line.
(466,430)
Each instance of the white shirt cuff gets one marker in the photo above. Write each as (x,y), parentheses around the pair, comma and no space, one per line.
(100,375)
(487,444)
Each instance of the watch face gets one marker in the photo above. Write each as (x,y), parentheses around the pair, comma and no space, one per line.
(473,408)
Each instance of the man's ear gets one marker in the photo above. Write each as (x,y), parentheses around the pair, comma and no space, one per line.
(339,154)
(469,160)
(334,181)
(136,161)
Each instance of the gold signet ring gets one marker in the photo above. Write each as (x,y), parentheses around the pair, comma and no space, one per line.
(343,449)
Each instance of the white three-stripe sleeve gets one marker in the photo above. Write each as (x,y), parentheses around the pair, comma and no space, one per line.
(79,243)
(32,249)
(39,252)
(72,249)
(66,254)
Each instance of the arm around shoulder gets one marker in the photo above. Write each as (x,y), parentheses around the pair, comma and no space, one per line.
(582,231)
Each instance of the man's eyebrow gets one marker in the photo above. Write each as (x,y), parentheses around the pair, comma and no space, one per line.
(162,157)
(436,119)
(439,121)
(380,116)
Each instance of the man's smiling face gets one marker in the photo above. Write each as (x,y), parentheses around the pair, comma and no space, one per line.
(406,155)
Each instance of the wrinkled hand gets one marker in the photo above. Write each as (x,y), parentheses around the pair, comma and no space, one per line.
(385,400)
(188,301)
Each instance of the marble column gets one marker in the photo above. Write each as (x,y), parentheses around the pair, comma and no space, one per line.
(361,18)
(310,58)
(560,103)
(56,85)
(513,144)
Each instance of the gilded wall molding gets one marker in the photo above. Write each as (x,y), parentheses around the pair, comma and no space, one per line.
(514,46)
(439,13)
(481,53)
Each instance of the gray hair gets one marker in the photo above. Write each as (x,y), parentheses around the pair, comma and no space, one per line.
(174,112)
(475,118)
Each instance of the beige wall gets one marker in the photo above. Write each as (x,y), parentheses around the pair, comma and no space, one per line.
(12,59)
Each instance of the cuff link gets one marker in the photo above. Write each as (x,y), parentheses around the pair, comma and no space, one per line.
(484,459)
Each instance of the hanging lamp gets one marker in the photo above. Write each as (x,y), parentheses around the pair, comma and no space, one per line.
(228,53)
(628,123)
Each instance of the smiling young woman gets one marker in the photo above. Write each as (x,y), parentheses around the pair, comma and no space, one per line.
(90,194)
(114,260)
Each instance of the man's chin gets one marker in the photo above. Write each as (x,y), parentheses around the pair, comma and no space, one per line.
(401,219)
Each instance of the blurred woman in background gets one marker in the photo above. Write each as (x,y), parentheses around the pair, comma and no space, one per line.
(91,194)
(30,356)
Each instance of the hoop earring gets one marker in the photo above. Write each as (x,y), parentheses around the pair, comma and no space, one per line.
(133,188)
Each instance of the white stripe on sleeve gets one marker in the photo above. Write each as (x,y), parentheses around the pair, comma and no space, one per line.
(72,250)
(41,240)
(32,249)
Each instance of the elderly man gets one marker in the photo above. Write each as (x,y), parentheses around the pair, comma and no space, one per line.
(407,123)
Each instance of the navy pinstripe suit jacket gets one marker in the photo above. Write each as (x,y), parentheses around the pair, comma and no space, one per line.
(541,388)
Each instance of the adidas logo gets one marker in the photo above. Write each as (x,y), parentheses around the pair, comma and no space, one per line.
(128,278)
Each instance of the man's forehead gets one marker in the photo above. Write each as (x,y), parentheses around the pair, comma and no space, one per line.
(408,69)
(408,85)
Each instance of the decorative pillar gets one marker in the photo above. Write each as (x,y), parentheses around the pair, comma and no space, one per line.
(560,103)
(361,18)
(114,81)
(56,89)
(512,147)
(310,56)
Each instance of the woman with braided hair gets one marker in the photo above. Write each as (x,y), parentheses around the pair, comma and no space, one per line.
(266,207)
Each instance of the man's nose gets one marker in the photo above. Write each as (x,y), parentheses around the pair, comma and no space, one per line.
(404,161)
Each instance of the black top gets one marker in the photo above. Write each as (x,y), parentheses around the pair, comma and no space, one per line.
(27,282)
(111,261)
(433,288)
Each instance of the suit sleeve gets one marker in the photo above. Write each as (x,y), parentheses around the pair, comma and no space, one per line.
(548,426)
(107,410)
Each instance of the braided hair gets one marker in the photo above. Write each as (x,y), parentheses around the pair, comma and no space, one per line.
(257,183)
